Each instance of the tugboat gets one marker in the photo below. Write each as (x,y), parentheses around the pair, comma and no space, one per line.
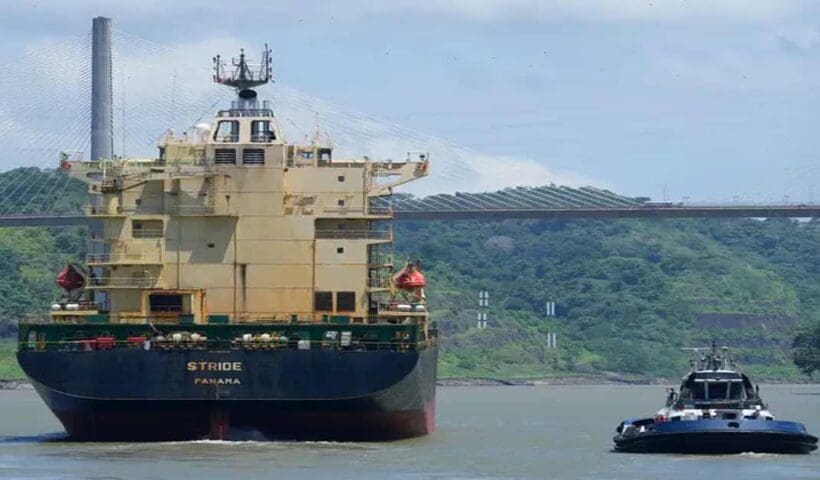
(716,411)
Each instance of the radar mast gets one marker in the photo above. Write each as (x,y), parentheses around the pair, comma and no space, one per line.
(245,76)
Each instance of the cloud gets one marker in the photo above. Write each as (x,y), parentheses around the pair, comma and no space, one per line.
(162,87)
(216,11)
(799,40)
(453,167)
(736,70)
(597,10)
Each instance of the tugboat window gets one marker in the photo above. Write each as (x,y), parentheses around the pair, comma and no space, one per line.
(261,131)
(699,391)
(227,131)
(717,390)
(736,391)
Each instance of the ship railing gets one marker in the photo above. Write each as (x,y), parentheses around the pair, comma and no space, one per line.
(124,258)
(192,210)
(374,211)
(78,306)
(355,234)
(202,343)
(92,210)
(147,233)
(378,282)
(399,306)
(380,210)
(135,282)
(379,260)
(195,210)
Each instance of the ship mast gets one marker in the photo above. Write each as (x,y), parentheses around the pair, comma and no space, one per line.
(245,76)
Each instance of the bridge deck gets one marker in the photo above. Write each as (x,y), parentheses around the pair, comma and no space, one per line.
(797,211)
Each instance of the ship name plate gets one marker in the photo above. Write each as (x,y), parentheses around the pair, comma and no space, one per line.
(214,366)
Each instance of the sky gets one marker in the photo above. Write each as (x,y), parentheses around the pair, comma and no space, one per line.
(673,99)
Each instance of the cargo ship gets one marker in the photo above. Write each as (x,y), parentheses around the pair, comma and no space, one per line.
(238,286)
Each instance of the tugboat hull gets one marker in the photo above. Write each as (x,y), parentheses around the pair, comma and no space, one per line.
(718,437)
(184,395)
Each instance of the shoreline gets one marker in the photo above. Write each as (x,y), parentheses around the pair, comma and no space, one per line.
(15,384)
(569,380)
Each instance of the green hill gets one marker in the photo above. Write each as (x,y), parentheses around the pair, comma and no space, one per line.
(31,257)
(629,293)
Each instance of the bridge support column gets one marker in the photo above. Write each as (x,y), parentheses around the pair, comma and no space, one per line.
(102,94)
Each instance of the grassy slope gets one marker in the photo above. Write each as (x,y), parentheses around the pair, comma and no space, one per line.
(8,364)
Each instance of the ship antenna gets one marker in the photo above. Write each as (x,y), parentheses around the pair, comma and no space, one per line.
(245,76)
(317,134)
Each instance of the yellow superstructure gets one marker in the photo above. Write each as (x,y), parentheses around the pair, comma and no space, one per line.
(233,224)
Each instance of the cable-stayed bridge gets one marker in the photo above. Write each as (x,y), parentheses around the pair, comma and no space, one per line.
(152,86)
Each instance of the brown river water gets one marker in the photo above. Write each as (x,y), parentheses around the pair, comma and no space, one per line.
(483,433)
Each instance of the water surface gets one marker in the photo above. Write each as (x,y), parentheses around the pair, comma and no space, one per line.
(483,433)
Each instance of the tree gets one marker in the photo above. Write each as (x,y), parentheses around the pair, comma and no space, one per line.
(807,349)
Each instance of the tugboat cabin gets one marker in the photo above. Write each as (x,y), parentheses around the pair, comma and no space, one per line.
(706,389)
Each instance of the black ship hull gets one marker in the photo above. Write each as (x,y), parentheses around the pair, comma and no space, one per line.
(719,443)
(717,436)
(136,395)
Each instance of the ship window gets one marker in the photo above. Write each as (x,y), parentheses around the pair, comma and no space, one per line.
(261,131)
(699,391)
(341,203)
(166,303)
(227,131)
(323,301)
(340,249)
(345,301)
(324,155)
(340,178)
(225,156)
(717,390)
(253,156)
(736,390)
